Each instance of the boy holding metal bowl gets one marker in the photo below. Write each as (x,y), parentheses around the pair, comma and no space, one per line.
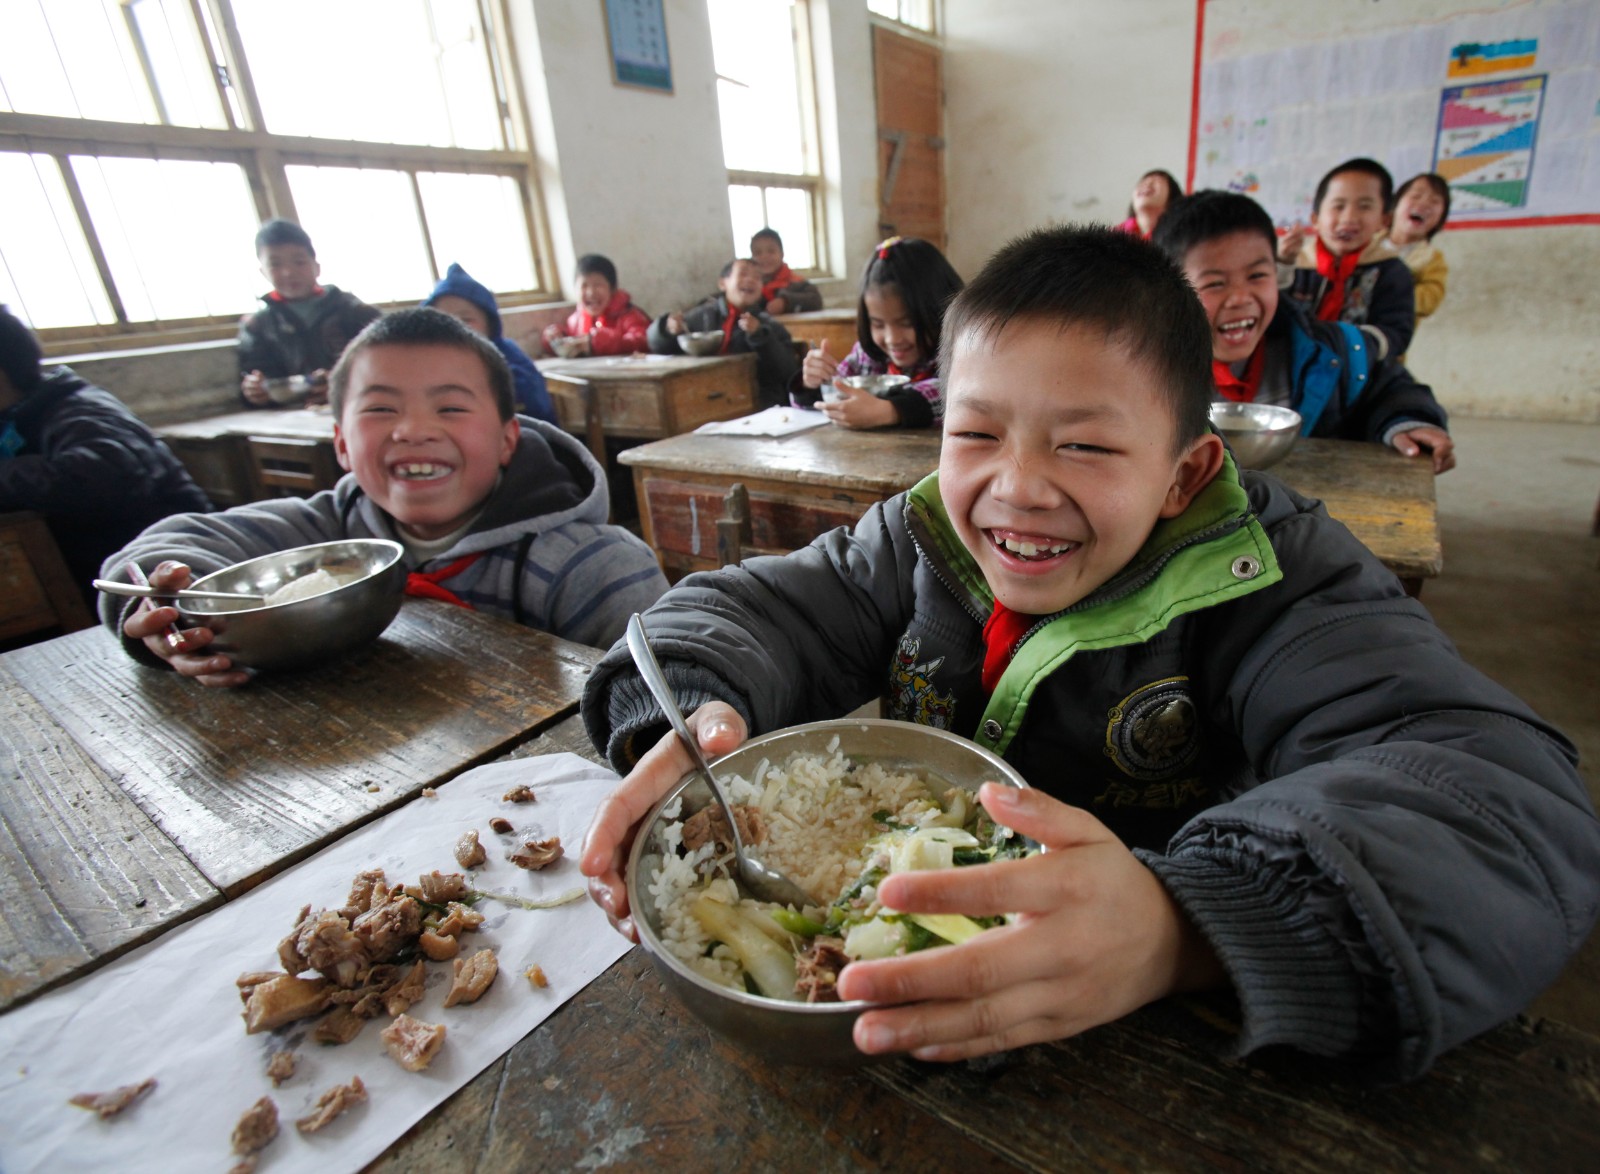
(1257,766)
(499,512)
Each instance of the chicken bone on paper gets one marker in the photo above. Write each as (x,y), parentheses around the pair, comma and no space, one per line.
(171,1010)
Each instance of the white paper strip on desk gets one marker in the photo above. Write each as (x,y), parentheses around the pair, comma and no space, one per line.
(171,1009)
(775,421)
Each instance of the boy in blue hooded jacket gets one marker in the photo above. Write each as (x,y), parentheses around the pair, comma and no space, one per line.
(470,301)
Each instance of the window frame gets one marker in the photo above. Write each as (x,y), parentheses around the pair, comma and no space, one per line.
(262,156)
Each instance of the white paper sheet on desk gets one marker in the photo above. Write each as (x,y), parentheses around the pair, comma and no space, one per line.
(171,1010)
(775,421)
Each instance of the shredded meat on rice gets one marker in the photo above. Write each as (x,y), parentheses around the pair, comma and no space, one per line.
(817,970)
(709,824)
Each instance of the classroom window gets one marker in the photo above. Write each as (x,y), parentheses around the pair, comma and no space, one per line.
(143,141)
(919,14)
(766,99)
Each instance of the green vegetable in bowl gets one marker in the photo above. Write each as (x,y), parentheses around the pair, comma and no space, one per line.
(768,964)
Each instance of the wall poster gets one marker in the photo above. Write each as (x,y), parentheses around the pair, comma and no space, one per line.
(637,30)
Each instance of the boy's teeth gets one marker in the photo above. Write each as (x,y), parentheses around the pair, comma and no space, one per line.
(420,470)
(1032,550)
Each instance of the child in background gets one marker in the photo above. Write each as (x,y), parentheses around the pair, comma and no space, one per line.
(781,291)
(745,327)
(503,516)
(303,327)
(1267,349)
(1349,272)
(905,287)
(79,457)
(605,320)
(1254,763)
(1421,207)
(471,303)
(1155,192)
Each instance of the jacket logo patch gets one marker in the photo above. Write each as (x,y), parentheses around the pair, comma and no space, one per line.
(1154,732)
(912,697)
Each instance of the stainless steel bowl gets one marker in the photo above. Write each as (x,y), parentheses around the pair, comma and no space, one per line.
(794,1033)
(701,342)
(1260,435)
(291,389)
(876,384)
(304,632)
(566,346)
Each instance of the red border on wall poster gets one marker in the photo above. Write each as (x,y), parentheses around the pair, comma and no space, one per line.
(1452,226)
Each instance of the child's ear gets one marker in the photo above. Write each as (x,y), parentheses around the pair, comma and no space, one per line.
(1196,469)
(510,432)
(341,448)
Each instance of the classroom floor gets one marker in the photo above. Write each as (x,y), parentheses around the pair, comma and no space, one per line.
(1520,596)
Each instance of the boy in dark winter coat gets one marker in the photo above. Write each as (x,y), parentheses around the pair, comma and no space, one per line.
(1267,349)
(1256,765)
(302,327)
(782,292)
(471,302)
(745,327)
(77,455)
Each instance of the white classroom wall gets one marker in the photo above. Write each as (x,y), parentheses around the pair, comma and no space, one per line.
(1053,110)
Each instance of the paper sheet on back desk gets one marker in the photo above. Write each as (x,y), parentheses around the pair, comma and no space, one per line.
(776,421)
(171,1009)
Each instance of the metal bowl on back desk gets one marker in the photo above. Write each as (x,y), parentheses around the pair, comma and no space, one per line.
(1260,435)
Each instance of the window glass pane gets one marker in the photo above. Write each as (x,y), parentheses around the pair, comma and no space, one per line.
(789,212)
(178,62)
(363,223)
(42,250)
(176,234)
(744,202)
(72,58)
(477,222)
(385,71)
(758,89)
(916,13)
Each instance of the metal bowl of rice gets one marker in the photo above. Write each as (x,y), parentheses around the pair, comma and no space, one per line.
(321,602)
(817,841)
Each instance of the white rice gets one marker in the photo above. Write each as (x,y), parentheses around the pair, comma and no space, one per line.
(818,810)
(318,582)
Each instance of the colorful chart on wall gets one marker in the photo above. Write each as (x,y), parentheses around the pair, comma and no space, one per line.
(1502,99)
(637,30)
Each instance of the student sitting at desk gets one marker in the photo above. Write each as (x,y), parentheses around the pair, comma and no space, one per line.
(1266,349)
(1256,766)
(605,320)
(1421,207)
(905,287)
(76,455)
(303,326)
(471,303)
(497,512)
(781,291)
(745,327)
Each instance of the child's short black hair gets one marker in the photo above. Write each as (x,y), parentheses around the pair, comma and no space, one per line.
(925,281)
(1365,167)
(1174,188)
(283,232)
(594,263)
(728,268)
(423,326)
(20,352)
(1206,216)
(1441,187)
(1108,281)
(769,234)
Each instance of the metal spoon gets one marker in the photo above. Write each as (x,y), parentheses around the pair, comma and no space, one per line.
(763,883)
(112,587)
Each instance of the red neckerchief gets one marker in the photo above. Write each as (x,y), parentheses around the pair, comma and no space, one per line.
(1231,386)
(1000,635)
(316,292)
(893,370)
(425,584)
(784,276)
(727,327)
(1338,271)
(589,323)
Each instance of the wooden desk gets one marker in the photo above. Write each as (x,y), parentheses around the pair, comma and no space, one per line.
(216,449)
(836,327)
(134,799)
(601,1082)
(804,485)
(37,593)
(643,397)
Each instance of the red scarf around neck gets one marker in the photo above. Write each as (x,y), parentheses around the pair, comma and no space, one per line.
(1000,635)
(425,584)
(1236,388)
(727,327)
(783,277)
(316,292)
(1338,271)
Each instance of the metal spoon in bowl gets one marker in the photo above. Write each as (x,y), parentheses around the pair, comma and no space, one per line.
(112,587)
(763,883)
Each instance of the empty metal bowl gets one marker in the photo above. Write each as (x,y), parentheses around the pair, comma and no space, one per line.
(304,632)
(567,345)
(1260,435)
(291,389)
(701,342)
(784,1032)
(876,384)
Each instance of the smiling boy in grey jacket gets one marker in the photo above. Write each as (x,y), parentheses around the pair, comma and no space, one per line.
(498,512)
